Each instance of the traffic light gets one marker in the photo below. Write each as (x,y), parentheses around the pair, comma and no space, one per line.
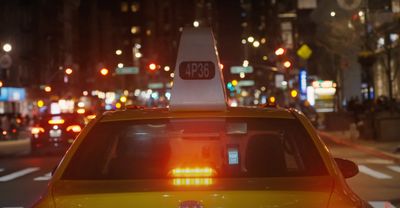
(40,103)
(47,89)
(287,64)
(294,93)
(271,99)
(152,66)
(280,51)
(104,71)
(234,82)
(68,71)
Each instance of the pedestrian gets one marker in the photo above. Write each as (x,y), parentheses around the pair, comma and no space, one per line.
(5,123)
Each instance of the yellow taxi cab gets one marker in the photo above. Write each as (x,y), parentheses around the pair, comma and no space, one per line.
(200,153)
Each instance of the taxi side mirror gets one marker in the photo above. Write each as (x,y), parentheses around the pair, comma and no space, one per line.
(347,167)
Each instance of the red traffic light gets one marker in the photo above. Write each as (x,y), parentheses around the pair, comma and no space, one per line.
(287,64)
(104,71)
(279,51)
(152,66)
(68,71)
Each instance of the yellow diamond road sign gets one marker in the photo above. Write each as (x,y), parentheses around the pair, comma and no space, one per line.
(304,52)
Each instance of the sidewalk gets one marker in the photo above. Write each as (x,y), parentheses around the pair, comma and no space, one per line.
(382,149)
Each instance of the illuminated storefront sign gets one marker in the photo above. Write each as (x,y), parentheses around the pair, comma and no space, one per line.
(12,94)
(324,95)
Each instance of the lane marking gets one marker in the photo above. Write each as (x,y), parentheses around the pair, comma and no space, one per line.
(17,174)
(45,177)
(381,204)
(364,169)
(12,207)
(394,168)
(379,161)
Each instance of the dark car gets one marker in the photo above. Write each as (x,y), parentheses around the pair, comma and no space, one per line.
(55,133)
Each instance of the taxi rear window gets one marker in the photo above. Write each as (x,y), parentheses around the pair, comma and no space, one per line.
(230,147)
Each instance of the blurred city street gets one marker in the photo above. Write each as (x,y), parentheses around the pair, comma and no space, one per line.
(65,65)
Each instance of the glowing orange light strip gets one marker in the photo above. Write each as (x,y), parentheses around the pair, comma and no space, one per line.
(193,172)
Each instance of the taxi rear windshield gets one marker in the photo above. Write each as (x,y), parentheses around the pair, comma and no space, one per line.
(225,147)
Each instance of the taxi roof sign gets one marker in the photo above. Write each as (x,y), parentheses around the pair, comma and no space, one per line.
(198,82)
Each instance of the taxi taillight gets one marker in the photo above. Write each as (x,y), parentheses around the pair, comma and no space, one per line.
(74,128)
(56,121)
(192,181)
(37,130)
(198,176)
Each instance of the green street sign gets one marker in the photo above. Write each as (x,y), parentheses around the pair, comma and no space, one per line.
(240,69)
(127,70)
(155,85)
(246,83)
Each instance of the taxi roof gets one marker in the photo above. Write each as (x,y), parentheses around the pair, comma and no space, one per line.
(161,113)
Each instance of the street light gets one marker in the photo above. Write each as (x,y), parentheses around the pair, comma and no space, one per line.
(256,44)
(7,47)
(196,23)
(245,63)
(250,39)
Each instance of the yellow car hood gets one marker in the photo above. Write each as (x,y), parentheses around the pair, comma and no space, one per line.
(308,193)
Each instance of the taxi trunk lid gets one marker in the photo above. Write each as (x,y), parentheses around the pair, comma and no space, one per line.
(279,193)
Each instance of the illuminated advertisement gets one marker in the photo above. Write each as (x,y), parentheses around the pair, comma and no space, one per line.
(12,94)
(324,95)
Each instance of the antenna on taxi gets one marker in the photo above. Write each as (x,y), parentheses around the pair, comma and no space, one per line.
(198,82)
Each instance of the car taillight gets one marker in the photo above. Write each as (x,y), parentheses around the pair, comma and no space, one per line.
(80,111)
(56,121)
(37,130)
(74,128)
(90,117)
(198,176)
